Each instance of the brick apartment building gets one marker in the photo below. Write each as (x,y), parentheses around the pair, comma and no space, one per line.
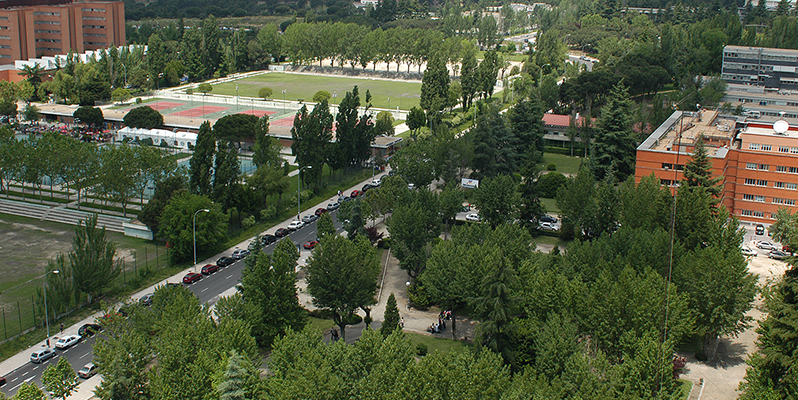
(30,29)
(758,165)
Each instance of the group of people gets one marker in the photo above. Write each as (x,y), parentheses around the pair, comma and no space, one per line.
(440,326)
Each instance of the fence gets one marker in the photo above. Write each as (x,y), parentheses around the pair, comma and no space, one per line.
(21,308)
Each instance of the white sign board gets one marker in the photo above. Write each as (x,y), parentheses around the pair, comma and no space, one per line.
(469,183)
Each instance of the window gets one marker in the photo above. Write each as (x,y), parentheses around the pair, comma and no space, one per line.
(759,214)
(48,49)
(46,31)
(48,40)
(5,37)
(748,197)
(779,185)
(5,55)
(761,182)
(763,167)
(793,170)
(779,200)
(93,26)
(783,149)
(92,9)
(750,165)
(794,150)
(753,146)
(749,181)
(94,18)
(766,147)
(4,46)
(46,23)
(745,212)
(3,18)
(760,199)
(95,43)
(50,14)
(780,168)
(102,35)
(791,186)
(3,28)
(667,166)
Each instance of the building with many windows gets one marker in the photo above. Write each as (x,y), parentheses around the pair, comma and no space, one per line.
(49,29)
(757,161)
(759,66)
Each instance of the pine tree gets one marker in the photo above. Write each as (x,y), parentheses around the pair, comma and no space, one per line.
(226,173)
(614,148)
(390,322)
(435,85)
(201,163)
(698,171)
(238,379)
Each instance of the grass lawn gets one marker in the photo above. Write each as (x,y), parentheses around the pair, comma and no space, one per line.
(320,324)
(686,386)
(506,57)
(433,343)
(550,240)
(550,205)
(565,164)
(385,94)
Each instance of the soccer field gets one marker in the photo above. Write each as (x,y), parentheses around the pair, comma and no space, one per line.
(385,94)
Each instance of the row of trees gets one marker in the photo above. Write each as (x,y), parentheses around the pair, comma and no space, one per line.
(113,173)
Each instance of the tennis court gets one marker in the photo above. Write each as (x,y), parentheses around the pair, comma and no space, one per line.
(258,113)
(200,111)
(163,105)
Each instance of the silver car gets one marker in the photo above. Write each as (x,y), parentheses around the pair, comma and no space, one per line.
(42,355)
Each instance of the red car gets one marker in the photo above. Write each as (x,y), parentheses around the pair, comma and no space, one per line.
(355,193)
(191,277)
(320,211)
(209,269)
(282,232)
(310,244)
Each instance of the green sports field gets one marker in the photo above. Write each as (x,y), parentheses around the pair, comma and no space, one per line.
(385,94)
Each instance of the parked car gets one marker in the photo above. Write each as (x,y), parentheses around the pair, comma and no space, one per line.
(465,208)
(547,226)
(240,253)
(333,206)
(172,284)
(547,218)
(191,277)
(255,242)
(281,232)
(267,239)
(786,249)
(295,225)
(747,251)
(760,229)
(473,217)
(377,181)
(42,355)
(2,381)
(355,193)
(66,342)
(310,244)
(225,262)
(209,269)
(765,245)
(146,300)
(777,255)
(367,187)
(89,330)
(320,211)
(344,199)
(309,218)
(411,186)
(87,371)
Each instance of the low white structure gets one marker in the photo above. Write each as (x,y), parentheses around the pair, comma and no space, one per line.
(181,139)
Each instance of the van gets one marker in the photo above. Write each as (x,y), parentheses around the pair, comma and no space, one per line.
(41,355)
(753,114)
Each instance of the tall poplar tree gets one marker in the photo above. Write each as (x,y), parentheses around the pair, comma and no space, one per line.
(201,163)
(435,85)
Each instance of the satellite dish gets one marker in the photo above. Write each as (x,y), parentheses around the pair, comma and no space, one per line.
(781,127)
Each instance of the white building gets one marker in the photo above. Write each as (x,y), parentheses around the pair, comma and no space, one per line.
(174,138)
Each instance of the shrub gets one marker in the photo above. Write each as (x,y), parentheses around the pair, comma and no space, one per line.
(354,320)
(321,313)
(384,243)
(321,95)
(265,93)
(248,222)
(138,100)
(551,167)
(268,213)
(548,184)
(146,142)
(305,195)
(418,296)
(421,349)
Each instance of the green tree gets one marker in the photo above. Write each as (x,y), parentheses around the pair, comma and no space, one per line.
(91,116)
(32,113)
(204,88)
(265,93)
(412,225)
(698,171)
(92,258)
(321,95)
(240,381)
(342,277)
(435,85)
(269,285)
(526,123)
(497,200)
(469,77)
(226,172)
(391,320)
(383,126)
(237,127)
(324,226)
(494,152)
(487,71)
(212,56)
(201,163)
(29,391)
(614,146)
(494,307)
(164,189)
(176,224)
(121,95)
(60,379)
(143,117)
(311,135)
(266,150)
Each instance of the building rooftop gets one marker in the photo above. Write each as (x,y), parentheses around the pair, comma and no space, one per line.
(682,128)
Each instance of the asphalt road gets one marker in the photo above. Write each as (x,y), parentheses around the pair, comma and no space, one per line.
(207,290)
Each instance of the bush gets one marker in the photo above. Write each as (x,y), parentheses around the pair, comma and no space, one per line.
(305,195)
(320,313)
(146,142)
(321,95)
(384,243)
(265,93)
(138,100)
(548,184)
(418,297)
(551,167)
(354,320)
(421,349)
(248,222)
(268,213)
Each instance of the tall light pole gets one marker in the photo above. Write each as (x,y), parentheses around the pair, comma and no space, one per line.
(298,193)
(236,96)
(46,315)
(195,235)
(284,100)
(334,96)
(123,66)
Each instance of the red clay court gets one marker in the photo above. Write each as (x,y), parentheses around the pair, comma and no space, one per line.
(284,121)
(200,111)
(258,113)
(163,105)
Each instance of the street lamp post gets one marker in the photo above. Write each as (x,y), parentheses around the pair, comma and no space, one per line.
(334,96)
(125,67)
(298,192)
(284,100)
(237,96)
(46,315)
(195,234)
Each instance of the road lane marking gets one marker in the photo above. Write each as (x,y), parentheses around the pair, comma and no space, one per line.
(29,379)
(83,356)
(229,277)
(203,290)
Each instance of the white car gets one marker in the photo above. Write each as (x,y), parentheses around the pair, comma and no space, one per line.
(87,371)
(377,181)
(765,245)
(474,217)
(294,225)
(547,226)
(67,342)
(747,251)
